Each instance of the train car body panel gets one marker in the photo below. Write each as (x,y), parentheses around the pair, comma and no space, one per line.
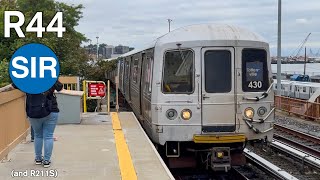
(296,89)
(198,83)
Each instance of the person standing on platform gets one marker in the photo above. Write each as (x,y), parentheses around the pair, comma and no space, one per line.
(44,129)
(42,121)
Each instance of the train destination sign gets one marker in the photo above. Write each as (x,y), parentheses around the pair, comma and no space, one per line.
(254,74)
(254,71)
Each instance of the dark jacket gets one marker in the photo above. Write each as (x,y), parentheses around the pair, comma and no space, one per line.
(57,86)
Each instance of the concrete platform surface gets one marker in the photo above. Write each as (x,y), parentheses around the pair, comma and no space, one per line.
(88,151)
(147,162)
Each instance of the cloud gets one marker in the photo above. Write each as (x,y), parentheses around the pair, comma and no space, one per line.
(302,21)
(139,22)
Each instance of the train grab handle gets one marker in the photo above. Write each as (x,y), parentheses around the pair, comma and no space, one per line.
(264,95)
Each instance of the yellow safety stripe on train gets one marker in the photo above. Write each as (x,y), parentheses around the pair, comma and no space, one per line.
(125,162)
(226,138)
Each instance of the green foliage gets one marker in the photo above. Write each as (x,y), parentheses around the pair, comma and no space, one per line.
(4,75)
(72,57)
(97,72)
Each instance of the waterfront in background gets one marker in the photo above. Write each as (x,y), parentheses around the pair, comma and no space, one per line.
(311,68)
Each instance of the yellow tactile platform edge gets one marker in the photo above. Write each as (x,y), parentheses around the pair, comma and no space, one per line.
(125,162)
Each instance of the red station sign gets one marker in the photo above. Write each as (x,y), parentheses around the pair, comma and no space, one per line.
(96,89)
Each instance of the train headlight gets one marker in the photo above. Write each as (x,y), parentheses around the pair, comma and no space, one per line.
(171,114)
(249,113)
(186,114)
(262,111)
(220,155)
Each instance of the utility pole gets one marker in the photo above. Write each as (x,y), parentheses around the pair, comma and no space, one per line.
(97,47)
(169,21)
(305,62)
(279,50)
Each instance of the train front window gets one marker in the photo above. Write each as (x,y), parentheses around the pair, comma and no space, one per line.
(178,72)
(218,71)
(254,70)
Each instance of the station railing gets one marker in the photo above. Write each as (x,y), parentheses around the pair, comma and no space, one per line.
(14,126)
(309,110)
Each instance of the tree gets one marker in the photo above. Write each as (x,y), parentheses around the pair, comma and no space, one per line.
(4,75)
(97,71)
(72,57)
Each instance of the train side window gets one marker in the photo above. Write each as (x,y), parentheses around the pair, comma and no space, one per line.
(127,69)
(304,89)
(135,70)
(150,74)
(178,72)
(124,70)
(147,74)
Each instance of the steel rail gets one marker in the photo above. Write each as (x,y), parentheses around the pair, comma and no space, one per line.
(296,153)
(237,174)
(298,134)
(268,167)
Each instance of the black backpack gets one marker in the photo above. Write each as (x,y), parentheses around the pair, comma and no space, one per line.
(38,105)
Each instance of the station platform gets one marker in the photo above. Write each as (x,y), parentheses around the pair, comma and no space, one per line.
(101,147)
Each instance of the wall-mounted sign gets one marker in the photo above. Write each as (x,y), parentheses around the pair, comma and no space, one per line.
(96,89)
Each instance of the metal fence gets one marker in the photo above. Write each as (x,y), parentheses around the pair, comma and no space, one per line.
(309,110)
(13,121)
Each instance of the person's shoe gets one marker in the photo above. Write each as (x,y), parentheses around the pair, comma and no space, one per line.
(46,163)
(38,161)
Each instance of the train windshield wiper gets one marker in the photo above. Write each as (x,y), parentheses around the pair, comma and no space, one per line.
(258,98)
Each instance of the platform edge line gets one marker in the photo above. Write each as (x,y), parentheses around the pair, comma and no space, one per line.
(126,166)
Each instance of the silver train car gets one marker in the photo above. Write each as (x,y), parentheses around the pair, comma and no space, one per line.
(297,89)
(203,90)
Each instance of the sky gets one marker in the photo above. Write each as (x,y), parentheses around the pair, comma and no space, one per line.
(138,22)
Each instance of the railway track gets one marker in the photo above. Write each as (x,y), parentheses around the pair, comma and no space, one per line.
(257,169)
(298,146)
(267,166)
(298,139)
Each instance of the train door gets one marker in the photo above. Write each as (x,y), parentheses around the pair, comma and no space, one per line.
(218,91)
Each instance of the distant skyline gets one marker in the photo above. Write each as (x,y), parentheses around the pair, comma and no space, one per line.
(136,23)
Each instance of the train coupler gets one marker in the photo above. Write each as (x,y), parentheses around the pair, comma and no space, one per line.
(220,159)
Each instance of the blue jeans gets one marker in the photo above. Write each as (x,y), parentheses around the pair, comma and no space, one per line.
(43,131)
(32,133)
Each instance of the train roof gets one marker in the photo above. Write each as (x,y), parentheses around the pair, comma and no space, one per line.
(209,32)
(298,83)
(203,32)
(309,84)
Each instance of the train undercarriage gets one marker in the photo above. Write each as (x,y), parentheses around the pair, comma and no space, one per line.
(216,157)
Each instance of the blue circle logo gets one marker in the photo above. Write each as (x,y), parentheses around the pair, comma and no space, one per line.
(34,68)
